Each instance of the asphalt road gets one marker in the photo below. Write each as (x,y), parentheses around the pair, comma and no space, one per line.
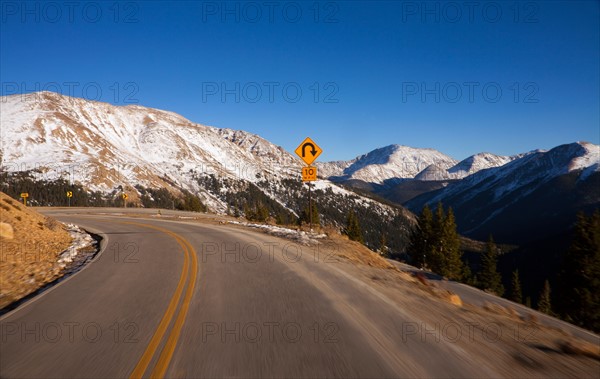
(176,299)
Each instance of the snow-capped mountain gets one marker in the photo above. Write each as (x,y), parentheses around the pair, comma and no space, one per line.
(464,168)
(403,162)
(394,161)
(534,189)
(478,162)
(100,145)
(110,149)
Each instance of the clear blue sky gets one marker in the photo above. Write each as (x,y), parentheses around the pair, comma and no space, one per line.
(370,73)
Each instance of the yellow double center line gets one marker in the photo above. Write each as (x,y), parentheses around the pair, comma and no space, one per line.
(169,348)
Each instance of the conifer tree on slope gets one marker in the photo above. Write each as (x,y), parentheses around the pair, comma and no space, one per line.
(516,294)
(436,243)
(544,305)
(421,238)
(435,256)
(450,251)
(579,289)
(305,216)
(489,278)
(467,276)
(353,230)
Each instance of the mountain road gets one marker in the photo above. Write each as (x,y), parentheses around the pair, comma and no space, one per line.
(179,299)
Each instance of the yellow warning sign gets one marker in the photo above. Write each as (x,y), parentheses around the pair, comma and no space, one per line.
(308,151)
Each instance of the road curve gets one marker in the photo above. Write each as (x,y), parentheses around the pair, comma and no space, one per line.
(176,299)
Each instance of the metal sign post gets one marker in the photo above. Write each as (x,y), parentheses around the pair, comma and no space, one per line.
(24,195)
(309,208)
(69,196)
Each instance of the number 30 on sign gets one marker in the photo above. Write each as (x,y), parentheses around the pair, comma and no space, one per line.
(309,174)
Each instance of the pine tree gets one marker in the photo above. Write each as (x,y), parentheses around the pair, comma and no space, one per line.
(249,213)
(262,213)
(544,304)
(353,228)
(467,276)
(316,218)
(579,297)
(435,256)
(383,249)
(192,203)
(306,214)
(435,243)
(516,293)
(280,219)
(421,238)
(450,253)
(489,278)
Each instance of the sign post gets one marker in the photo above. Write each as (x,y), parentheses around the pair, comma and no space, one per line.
(69,196)
(308,151)
(24,195)
(124,199)
(309,208)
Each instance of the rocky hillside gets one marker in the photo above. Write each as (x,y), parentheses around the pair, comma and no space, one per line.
(30,248)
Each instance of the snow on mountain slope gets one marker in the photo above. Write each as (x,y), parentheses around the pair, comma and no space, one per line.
(111,149)
(107,148)
(464,168)
(521,199)
(402,162)
(523,175)
(535,167)
(476,163)
(394,161)
(273,159)
(110,145)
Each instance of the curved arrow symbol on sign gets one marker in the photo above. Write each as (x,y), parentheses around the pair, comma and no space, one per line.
(313,150)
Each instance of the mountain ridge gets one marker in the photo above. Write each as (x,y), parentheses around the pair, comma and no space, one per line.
(507,191)
(106,147)
(131,149)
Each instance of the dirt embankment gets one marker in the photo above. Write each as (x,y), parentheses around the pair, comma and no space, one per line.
(30,245)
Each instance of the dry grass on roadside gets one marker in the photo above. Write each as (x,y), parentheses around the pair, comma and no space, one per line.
(356,252)
(28,257)
(578,347)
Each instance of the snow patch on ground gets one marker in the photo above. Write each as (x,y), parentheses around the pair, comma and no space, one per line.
(82,250)
(299,236)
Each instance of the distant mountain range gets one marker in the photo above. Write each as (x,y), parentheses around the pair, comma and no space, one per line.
(404,162)
(517,198)
(528,201)
(527,198)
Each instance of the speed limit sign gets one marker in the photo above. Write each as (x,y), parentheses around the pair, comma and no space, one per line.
(309,174)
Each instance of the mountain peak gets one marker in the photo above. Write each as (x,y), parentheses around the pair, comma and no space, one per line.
(388,162)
